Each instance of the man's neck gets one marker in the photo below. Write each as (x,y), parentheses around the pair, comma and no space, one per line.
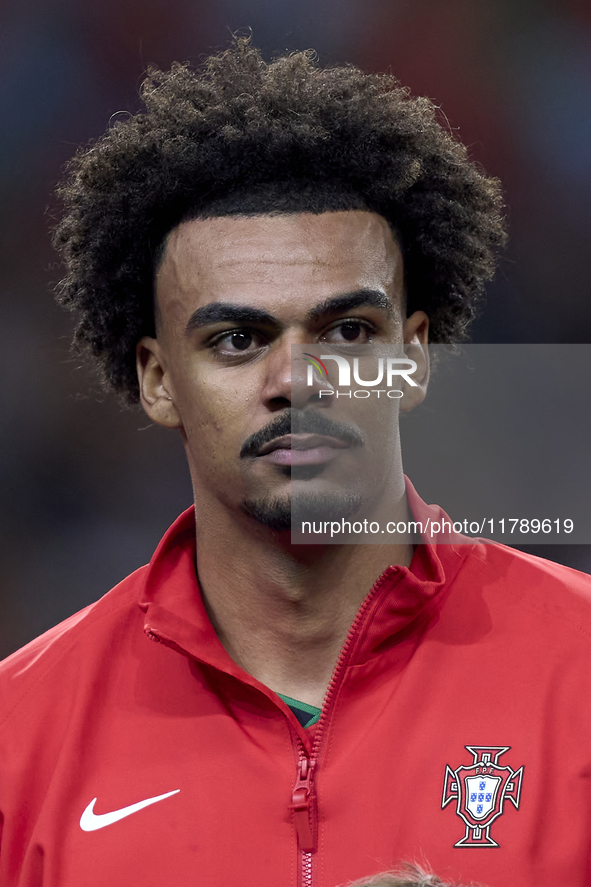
(283,611)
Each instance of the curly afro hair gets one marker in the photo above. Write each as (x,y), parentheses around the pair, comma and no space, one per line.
(243,137)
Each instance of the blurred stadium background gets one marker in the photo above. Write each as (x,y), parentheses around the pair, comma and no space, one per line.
(87,490)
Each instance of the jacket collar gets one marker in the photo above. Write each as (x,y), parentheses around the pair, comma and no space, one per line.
(402,593)
(176,614)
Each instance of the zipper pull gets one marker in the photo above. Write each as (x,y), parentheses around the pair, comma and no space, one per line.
(300,804)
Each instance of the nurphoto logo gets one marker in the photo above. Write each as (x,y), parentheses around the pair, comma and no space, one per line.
(389,370)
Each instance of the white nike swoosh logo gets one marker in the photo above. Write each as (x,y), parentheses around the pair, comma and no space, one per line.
(90,821)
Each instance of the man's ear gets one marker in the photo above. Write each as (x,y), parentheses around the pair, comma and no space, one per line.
(155,391)
(416,338)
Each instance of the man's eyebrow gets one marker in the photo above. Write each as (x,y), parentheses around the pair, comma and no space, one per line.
(228,312)
(356,299)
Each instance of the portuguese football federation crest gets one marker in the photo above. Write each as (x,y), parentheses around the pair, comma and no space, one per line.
(480,792)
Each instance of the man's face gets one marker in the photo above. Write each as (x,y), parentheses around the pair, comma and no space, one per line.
(234,294)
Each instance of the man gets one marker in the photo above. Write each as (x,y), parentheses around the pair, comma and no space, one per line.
(245,709)
(406,876)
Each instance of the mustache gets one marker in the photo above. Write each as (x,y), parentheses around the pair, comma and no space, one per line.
(297,422)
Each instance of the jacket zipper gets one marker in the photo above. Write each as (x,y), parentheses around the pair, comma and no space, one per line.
(303,801)
(306,870)
(304,810)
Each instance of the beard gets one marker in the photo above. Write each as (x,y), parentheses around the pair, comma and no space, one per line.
(281,513)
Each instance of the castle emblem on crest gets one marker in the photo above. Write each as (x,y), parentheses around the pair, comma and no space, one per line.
(481,791)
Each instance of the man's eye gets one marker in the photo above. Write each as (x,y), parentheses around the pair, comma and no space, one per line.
(240,340)
(236,342)
(349,331)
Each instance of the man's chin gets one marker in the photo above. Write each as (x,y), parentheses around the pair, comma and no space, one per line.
(279,513)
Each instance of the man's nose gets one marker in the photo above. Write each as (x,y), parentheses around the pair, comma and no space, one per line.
(295,379)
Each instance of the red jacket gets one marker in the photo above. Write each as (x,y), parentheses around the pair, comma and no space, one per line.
(456,731)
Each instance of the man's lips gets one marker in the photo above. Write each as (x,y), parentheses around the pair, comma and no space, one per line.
(302,449)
